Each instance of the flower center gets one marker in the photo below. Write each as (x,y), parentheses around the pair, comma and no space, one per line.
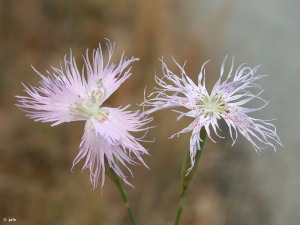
(89,106)
(212,105)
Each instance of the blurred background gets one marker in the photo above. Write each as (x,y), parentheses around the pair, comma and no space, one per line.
(233,184)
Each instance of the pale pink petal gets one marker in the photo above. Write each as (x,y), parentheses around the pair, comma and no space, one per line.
(52,100)
(93,150)
(108,135)
(255,130)
(107,75)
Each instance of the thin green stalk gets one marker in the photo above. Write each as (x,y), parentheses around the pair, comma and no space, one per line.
(111,173)
(186,178)
(180,206)
(125,199)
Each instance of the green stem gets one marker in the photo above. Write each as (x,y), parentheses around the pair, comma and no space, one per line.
(111,173)
(125,199)
(186,178)
(180,206)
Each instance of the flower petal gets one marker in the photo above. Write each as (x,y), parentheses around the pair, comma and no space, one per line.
(51,101)
(107,135)
(255,130)
(109,76)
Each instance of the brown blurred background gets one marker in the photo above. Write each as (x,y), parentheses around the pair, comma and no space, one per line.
(233,185)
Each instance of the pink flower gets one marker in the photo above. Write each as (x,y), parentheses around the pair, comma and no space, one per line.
(226,101)
(66,94)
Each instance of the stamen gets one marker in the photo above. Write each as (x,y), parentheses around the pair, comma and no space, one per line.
(89,106)
(212,105)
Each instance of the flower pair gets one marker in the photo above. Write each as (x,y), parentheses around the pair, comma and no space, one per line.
(67,95)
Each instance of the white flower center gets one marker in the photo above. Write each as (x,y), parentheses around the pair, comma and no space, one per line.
(89,106)
(212,105)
